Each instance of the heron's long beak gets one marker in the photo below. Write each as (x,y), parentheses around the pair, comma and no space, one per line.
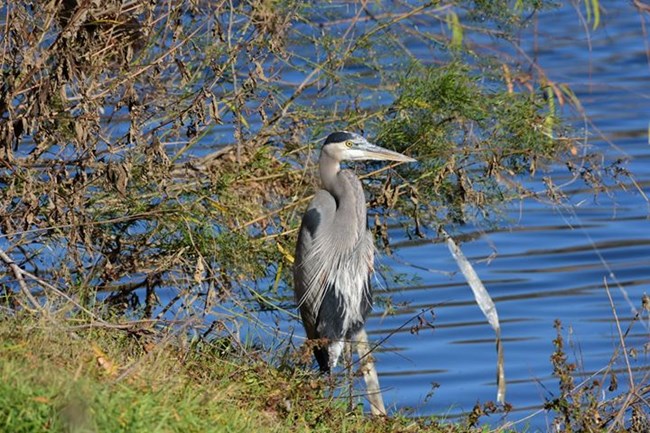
(370,151)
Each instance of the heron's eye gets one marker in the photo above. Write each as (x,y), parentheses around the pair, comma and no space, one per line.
(349,143)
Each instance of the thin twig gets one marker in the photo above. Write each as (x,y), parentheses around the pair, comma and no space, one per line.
(18,274)
(21,273)
(621,412)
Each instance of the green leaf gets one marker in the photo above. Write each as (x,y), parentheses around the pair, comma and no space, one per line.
(456,30)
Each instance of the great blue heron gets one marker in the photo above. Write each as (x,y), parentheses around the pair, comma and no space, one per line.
(335,250)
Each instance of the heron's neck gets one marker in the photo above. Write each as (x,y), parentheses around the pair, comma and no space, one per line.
(348,193)
(329,169)
(344,187)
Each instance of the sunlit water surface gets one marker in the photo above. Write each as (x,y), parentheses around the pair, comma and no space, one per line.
(545,262)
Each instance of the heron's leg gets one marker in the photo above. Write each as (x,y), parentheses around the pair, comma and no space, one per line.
(350,373)
(334,351)
(369,373)
(331,380)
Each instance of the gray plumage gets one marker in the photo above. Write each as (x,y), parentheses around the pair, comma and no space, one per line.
(335,250)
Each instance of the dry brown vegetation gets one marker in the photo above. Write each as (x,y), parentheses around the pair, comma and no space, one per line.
(151,146)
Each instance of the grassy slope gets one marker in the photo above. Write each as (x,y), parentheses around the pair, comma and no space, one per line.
(56,378)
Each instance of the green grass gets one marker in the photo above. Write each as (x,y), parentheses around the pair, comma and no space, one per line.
(60,375)
(58,378)
(50,381)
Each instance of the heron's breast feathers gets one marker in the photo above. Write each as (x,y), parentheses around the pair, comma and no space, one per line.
(337,263)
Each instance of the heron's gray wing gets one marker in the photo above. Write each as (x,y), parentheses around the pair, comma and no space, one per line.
(316,221)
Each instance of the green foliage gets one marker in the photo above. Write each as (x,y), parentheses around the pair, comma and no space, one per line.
(507,13)
(465,134)
(592,7)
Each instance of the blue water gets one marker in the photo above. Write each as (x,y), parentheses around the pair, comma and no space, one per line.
(545,262)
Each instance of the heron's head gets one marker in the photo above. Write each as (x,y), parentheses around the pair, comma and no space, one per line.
(348,146)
